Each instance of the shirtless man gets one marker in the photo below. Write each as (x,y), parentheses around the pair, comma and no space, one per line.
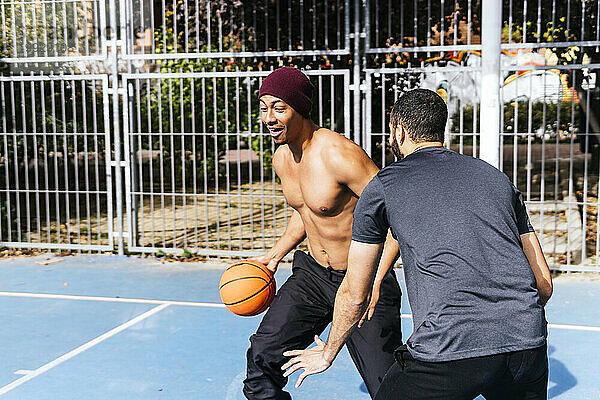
(322,175)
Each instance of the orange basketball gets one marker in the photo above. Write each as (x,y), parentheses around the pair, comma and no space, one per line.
(247,288)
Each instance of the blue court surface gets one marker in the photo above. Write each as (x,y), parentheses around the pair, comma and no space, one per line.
(113,327)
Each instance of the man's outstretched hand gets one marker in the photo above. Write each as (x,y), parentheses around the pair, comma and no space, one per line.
(311,360)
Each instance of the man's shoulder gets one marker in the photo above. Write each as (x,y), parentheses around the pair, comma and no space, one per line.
(342,158)
(324,137)
(393,171)
(478,168)
(331,145)
(280,155)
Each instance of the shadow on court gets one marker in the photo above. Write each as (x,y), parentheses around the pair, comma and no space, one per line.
(99,327)
(560,377)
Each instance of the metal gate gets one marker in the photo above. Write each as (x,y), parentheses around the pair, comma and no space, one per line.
(56,186)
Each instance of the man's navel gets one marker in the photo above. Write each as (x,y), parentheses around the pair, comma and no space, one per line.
(326,256)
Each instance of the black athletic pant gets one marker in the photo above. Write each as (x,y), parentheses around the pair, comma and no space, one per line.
(507,376)
(302,308)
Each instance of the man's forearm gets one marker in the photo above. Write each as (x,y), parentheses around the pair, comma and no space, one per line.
(352,297)
(535,256)
(388,258)
(350,303)
(346,314)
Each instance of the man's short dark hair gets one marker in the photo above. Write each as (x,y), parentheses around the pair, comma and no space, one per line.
(423,113)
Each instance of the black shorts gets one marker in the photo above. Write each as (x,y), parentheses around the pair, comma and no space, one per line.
(507,376)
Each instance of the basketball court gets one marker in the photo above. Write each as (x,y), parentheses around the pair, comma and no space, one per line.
(98,327)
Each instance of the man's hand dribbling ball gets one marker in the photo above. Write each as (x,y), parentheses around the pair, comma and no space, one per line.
(267,261)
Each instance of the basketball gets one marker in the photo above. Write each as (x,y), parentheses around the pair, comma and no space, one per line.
(247,288)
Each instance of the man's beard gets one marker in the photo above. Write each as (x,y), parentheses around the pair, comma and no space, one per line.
(396,149)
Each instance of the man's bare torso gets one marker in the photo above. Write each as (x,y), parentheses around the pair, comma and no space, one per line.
(311,186)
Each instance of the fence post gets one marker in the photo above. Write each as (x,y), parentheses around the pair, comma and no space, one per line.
(491,37)
(116,125)
(357,135)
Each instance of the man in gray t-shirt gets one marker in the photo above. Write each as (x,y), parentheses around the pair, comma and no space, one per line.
(476,277)
(470,287)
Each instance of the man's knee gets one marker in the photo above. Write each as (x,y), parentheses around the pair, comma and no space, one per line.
(266,356)
(264,378)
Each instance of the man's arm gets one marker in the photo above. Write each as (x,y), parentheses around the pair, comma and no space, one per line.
(535,256)
(355,169)
(294,231)
(350,303)
(388,259)
(294,234)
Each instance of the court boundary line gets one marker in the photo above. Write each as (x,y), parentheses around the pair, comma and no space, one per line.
(110,299)
(571,327)
(78,350)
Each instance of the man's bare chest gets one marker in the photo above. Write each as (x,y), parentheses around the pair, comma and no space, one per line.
(315,191)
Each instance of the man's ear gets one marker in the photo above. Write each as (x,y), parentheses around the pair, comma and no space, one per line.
(401,135)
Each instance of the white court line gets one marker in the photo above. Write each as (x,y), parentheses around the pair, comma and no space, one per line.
(110,299)
(553,326)
(46,367)
(211,305)
(575,327)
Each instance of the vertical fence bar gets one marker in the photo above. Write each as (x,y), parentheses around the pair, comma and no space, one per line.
(55,148)
(194,161)
(172,159)
(65,150)
(108,158)
(161,163)
(26,192)
(239,156)
(36,164)
(289,24)
(490,80)
(205,163)
(16,160)
(129,159)
(137,235)
(96,159)
(6,170)
(368,107)
(151,163)
(86,161)
(216,161)
(227,161)
(116,126)
(76,159)
(357,136)
(46,166)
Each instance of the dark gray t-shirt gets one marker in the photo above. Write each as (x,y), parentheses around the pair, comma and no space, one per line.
(458,222)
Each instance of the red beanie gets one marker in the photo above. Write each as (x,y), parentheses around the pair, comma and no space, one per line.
(292,86)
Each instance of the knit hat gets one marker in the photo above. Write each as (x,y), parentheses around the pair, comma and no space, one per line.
(292,86)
